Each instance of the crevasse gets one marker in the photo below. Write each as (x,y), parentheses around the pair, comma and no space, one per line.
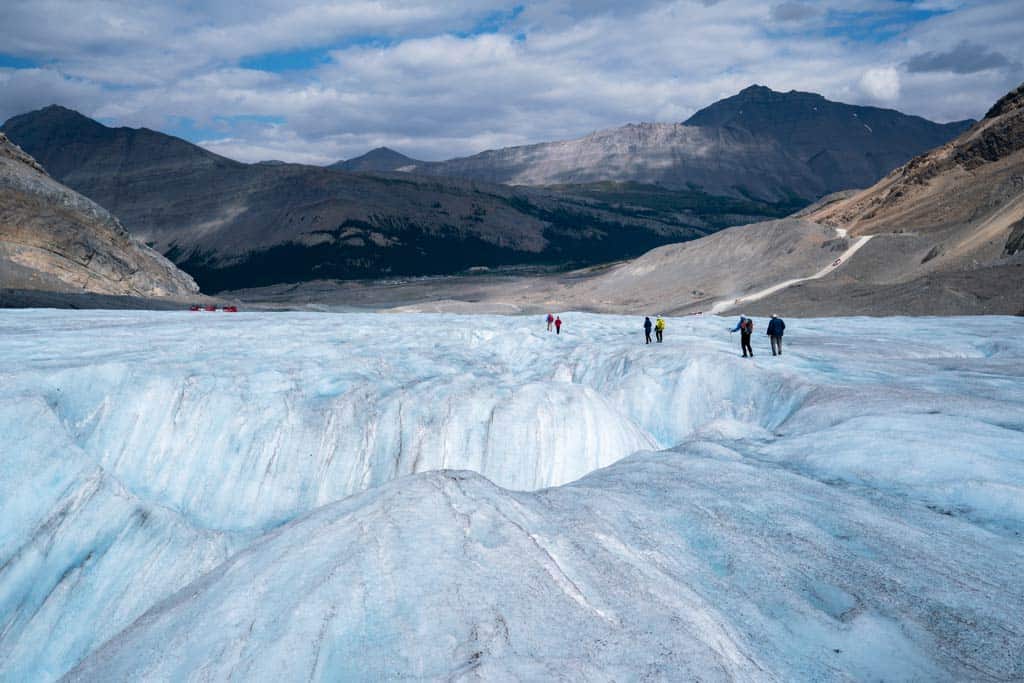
(237,435)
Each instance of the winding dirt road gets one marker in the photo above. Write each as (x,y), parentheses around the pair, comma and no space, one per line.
(726,304)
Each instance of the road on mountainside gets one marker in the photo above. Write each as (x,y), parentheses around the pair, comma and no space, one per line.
(726,304)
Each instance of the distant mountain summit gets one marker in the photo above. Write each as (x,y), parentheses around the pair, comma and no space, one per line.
(758,144)
(71,146)
(844,145)
(382,160)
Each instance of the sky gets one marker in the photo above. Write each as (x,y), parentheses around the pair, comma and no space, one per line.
(319,81)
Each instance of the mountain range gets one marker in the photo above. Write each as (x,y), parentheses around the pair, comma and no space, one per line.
(609,196)
(941,235)
(759,144)
(233,225)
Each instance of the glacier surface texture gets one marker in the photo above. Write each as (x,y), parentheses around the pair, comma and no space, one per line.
(264,497)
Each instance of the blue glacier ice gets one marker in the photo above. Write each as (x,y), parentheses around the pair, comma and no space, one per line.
(284,496)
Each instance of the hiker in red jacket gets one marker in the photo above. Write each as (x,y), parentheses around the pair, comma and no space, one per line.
(558,325)
(551,321)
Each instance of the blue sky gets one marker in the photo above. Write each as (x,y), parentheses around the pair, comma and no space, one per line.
(321,80)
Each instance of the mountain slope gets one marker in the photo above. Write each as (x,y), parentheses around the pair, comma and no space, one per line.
(53,239)
(716,161)
(757,144)
(946,228)
(234,225)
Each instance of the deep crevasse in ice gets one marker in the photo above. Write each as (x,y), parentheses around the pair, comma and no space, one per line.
(261,417)
(147,448)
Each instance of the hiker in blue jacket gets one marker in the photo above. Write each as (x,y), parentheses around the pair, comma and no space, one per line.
(776,327)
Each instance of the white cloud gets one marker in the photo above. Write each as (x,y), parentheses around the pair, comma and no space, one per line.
(429,87)
(882,83)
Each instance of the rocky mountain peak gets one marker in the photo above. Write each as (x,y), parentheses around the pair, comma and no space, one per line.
(750,106)
(1011,101)
(56,115)
(65,142)
(378,159)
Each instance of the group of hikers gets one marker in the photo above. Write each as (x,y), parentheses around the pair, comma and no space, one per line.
(659,329)
(556,321)
(745,326)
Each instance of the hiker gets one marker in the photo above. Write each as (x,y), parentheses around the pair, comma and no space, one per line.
(659,328)
(746,328)
(551,321)
(776,326)
(647,330)
(558,325)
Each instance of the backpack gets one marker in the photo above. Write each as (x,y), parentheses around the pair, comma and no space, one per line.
(748,326)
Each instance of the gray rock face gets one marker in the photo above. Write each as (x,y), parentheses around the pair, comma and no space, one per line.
(759,143)
(54,239)
(718,161)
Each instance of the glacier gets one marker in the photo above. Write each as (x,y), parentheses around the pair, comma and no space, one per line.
(195,496)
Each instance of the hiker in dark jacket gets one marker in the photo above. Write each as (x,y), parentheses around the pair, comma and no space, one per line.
(746,328)
(776,327)
(647,330)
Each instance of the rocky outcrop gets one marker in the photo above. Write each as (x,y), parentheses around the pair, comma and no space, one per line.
(54,239)
(1015,242)
(1010,101)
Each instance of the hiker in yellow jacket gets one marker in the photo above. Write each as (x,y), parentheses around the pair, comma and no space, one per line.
(659,328)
